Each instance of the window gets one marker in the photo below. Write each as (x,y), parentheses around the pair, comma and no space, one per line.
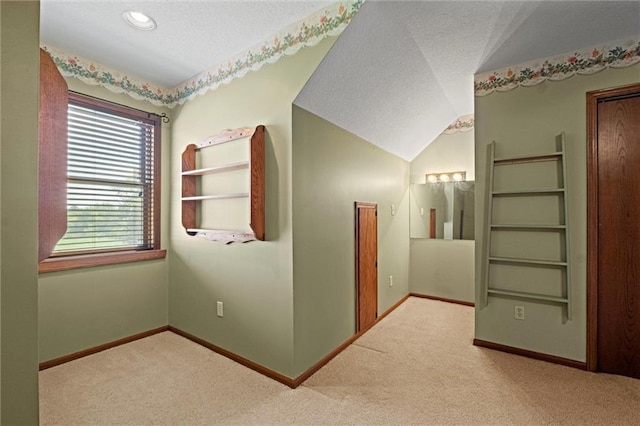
(113,186)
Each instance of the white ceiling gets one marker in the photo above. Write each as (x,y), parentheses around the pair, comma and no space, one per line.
(192,36)
(400,73)
(403,71)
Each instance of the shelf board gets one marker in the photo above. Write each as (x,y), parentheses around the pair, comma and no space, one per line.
(225,236)
(216,197)
(530,191)
(225,136)
(526,261)
(218,169)
(530,227)
(528,158)
(525,295)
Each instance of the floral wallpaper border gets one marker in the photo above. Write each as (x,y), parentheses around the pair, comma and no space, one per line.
(585,61)
(96,74)
(328,22)
(463,123)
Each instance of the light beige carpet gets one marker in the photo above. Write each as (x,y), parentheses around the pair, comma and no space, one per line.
(417,366)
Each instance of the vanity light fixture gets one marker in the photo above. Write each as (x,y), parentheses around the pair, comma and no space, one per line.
(139,20)
(447,177)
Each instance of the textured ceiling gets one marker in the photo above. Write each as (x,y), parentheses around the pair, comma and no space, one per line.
(192,36)
(401,72)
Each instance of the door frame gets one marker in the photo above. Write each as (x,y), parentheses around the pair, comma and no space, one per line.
(362,205)
(593,98)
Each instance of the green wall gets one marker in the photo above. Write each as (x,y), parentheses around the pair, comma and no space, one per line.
(527,121)
(447,153)
(331,170)
(253,280)
(443,268)
(19,62)
(83,308)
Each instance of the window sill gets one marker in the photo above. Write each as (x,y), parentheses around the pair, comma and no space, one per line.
(54,264)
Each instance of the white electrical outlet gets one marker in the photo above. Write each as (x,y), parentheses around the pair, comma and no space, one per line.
(220,309)
(390,280)
(393,209)
(421,211)
(518,312)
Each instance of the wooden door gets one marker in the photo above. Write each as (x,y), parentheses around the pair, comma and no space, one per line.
(614,243)
(366,219)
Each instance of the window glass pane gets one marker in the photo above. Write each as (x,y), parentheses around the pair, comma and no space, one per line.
(110,177)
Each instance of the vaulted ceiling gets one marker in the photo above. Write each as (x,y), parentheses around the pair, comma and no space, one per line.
(400,73)
(403,71)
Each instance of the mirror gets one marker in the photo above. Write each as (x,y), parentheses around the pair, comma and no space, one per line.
(442,210)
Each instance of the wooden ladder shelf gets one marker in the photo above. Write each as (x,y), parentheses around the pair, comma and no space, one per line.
(490,261)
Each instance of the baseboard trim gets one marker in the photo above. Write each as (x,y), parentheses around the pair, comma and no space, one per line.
(285,380)
(392,308)
(324,361)
(234,357)
(288,381)
(531,354)
(90,351)
(443,299)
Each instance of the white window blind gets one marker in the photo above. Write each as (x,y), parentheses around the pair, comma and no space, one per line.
(110,181)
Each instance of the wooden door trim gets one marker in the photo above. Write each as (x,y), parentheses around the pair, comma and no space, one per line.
(592,213)
(360,205)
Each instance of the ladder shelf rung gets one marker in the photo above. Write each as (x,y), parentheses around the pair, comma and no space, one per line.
(529,227)
(526,261)
(217,169)
(530,191)
(528,158)
(216,197)
(525,295)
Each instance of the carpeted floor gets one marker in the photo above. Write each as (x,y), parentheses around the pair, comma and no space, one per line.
(417,366)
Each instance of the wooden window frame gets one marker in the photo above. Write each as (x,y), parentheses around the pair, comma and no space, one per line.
(111,257)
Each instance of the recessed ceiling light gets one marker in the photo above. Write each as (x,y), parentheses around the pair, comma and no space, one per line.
(138,20)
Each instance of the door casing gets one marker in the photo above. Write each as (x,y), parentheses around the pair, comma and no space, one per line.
(593,98)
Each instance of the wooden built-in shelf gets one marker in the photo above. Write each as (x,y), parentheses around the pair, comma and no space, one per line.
(216,197)
(220,169)
(256,190)
(225,235)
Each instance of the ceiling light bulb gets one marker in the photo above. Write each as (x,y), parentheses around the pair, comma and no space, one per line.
(444,178)
(139,17)
(457,177)
(432,178)
(139,20)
